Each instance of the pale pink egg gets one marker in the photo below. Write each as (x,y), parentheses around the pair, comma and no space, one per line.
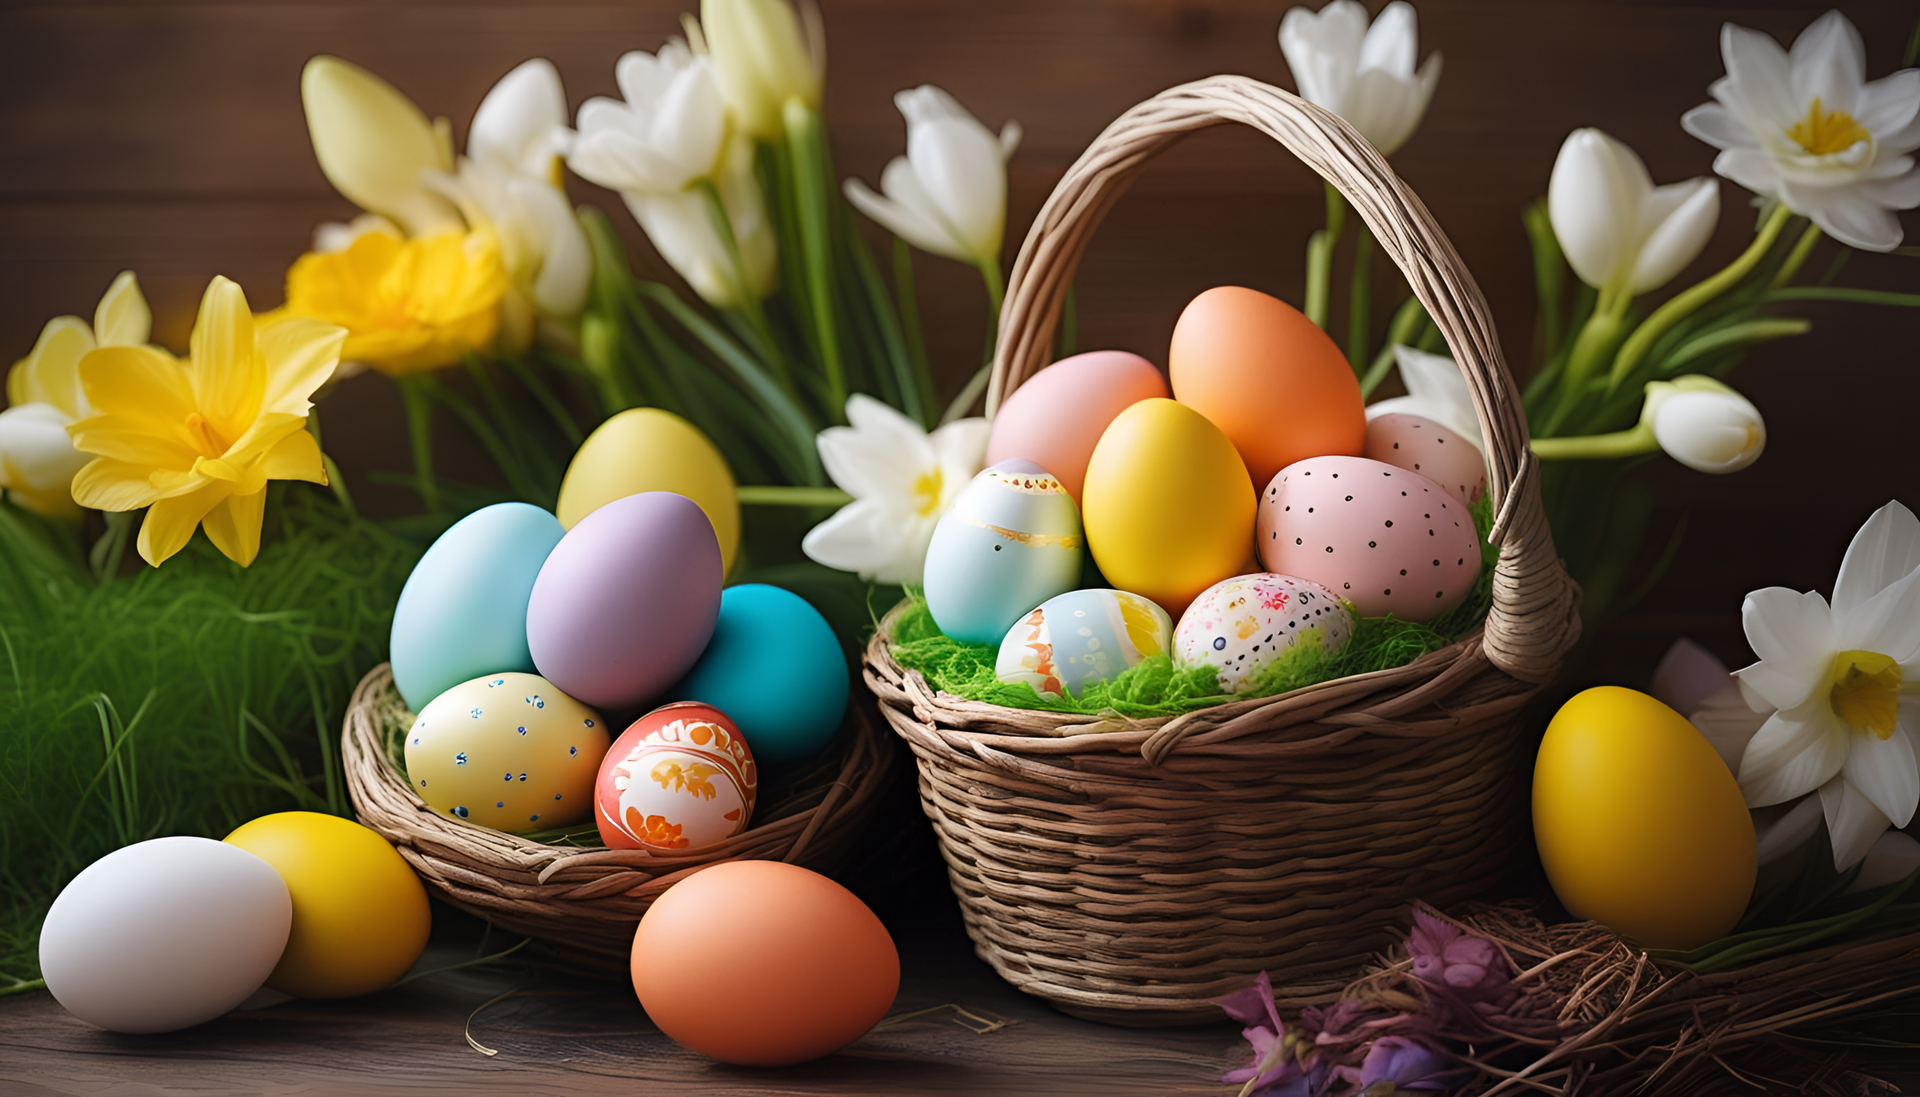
(1386,539)
(1418,444)
(1056,418)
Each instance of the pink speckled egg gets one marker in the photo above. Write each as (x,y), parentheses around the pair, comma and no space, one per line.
(1381,537)
(1242,624)
(1437,452)
(1056,418)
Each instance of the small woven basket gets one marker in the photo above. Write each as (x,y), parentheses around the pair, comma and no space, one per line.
(1132,870)
(583,903)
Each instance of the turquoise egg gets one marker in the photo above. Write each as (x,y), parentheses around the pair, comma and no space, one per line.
(775,667)
(1010,541)
(1082,636)
(463,612)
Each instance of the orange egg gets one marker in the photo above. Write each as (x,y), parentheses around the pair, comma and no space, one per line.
(762,963)
(1268,377)
(1056,418)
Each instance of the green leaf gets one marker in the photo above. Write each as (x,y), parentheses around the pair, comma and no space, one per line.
(1743,334)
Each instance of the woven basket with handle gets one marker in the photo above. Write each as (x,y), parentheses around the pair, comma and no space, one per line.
(1132,870)
(582,903)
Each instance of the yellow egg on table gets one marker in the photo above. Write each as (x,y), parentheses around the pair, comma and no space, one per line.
(647,449)
(1639,823)
(1168,507)
(360,916)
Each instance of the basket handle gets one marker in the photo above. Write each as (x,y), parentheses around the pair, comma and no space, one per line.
(1535,618)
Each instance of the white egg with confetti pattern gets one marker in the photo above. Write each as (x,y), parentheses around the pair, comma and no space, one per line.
(1080,637)
(1010,541)
(1241,625)
(508,751)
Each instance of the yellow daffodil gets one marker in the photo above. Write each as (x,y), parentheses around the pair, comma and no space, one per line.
(407,305)
(37,459)
(196,441)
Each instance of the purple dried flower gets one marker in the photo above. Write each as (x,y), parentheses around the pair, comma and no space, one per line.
(1445,957)
(1401,1062)
(1275,1071)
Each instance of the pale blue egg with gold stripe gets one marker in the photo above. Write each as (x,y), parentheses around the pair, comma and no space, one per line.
(1009,542)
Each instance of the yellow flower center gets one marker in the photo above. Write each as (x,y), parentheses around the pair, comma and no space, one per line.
(927,488)
(206,439)
(1825,132)
(1866,691)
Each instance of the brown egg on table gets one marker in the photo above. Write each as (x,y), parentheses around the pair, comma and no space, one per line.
(1419,444)
(1056,418)
(1268,377)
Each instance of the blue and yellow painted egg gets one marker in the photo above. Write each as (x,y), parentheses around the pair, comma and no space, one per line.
(1082,636)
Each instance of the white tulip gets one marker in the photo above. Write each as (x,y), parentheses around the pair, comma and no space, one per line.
(1807,128)
(902,480)
(1364,75)
(374,146)
(681,226)
(37,457)
(1618,230)
(516,127)
(1704,424)
(667,134)
(948,194)
(762,59)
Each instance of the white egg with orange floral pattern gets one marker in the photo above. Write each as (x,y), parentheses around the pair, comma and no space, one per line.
(681,777)
(1241,625)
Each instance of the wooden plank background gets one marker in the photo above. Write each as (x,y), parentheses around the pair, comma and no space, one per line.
(168,138)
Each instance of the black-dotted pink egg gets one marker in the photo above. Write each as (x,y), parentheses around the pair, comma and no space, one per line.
(1387,540)
(1242,624)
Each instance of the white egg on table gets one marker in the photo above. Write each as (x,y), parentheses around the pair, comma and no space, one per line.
(165,934)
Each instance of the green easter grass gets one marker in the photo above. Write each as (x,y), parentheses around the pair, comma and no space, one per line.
(185,699)
(1156,687)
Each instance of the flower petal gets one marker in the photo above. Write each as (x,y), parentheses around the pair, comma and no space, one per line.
(1685,215)
(879,456)
(1888,623)
(1759,78)
(957,161)
(1392,41)
(900,220)
(36,453)
(233,525)
(300,354)
(123,318)
(1889,105)
(1853,823)
(1886,550)
(50,373)
(1719,127)
(228,384)
(1886,773)
(294,457)
(1793,635)
(1323,50)
(866,537)
(1793,753)
(515,122)
(170,522)
(1594,199)
(1829,63)
(144,388)
(1892,858)
(566,261)
(1856,222)
(105,484)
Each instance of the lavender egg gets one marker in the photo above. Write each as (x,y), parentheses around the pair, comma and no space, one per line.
(627,600)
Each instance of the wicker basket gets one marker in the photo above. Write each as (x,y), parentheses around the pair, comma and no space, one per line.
(1131,870)
(583,903)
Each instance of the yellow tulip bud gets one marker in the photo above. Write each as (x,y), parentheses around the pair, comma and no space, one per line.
(373,144)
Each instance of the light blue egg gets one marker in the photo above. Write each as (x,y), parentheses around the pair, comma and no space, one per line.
(463,612)
(1082,636)
(775,667)
(1009,542)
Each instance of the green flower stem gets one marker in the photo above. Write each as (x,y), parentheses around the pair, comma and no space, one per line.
(970,393)
(1320,258)
(1842,293)
(1801,249)
(908,301)
(1625,443)
(996,294)
(1401,330)
(334,480)
(1693,297)
(749,301)
(1549,273)
(1598,336)
(22,986)
(418,403)
(807,140)
(780,495)
(1360,300)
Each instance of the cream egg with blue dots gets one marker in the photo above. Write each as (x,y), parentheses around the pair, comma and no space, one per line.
(1082,636)
(508,751)
(1241,625)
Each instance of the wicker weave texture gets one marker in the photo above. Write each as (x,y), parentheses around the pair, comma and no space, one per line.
(1131,870)
(584,903)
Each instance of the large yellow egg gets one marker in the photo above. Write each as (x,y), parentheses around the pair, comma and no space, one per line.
(1639,823)
(646,449)
(360,916)
(1168,507)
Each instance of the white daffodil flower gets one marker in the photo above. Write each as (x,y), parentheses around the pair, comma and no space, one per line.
(1617,229)
(1436,390)
(1842,678)
(901,479)
(948,194)
(37,458)
(660,148)
(1704,424)
(1806,127)
(1893,857)
(374,145)
(762,59)
(1364,75)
